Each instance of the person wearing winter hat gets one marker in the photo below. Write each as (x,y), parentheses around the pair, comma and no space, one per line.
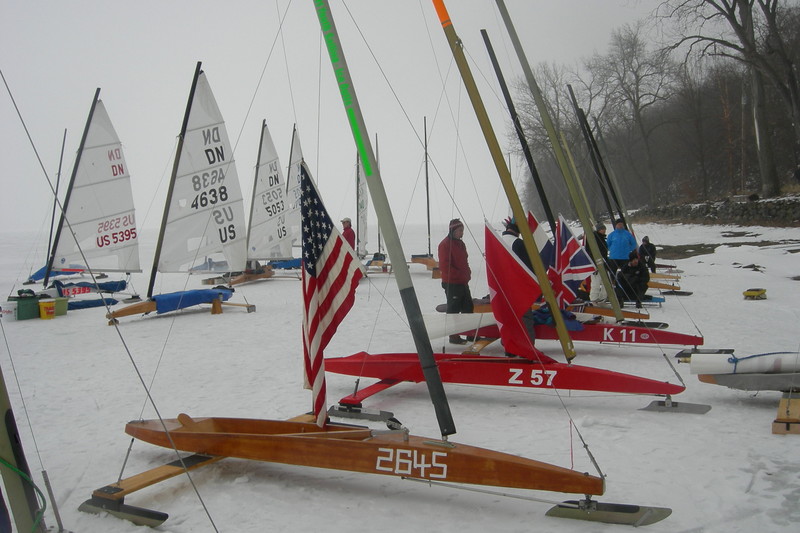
(348,233)
(511,236)
(647,252)
(632,280)
(456,274)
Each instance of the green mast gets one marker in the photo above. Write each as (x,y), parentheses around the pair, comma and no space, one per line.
(385,218)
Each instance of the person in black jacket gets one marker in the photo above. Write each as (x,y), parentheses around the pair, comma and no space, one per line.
(647,253)
(632,280)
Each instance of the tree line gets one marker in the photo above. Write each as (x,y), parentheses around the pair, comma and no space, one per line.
(699,102)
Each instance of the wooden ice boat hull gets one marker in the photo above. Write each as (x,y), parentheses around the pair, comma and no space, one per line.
(606,333)
(352,449)
(498,371)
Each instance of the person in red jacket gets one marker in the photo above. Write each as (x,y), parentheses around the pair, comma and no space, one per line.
(348,233)
(454,266)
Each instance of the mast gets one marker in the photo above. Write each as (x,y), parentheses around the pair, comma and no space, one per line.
(505,177)
(427,184)
(21,497)
(55,205)
(609,177)
(385,218)
(583,125)
(69,188)
(561,158)
(255,183)
(178,151)
(523,141)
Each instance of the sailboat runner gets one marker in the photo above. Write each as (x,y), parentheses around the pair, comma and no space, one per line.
(203,213)
(97,226)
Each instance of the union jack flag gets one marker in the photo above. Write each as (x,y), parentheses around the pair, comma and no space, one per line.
(572,264)
(330,275)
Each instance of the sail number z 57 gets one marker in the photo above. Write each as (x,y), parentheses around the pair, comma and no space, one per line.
(538,378)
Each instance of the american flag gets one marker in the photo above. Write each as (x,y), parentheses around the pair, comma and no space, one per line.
(572,264)
(330,275)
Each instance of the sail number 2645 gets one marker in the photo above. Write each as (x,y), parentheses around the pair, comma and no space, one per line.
(411,463)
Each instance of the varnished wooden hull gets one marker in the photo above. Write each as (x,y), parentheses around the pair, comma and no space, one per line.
(361,450)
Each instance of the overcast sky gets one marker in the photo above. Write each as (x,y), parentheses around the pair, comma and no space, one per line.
(142,55)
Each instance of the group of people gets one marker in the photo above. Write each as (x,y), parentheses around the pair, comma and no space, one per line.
(628,264)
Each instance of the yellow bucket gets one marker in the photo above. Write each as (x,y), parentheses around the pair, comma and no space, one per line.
(47,309)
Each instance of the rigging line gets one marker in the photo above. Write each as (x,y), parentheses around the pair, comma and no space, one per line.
(261,76)
(319,98)
(151,400)
(167,165)
(21,395)
(105,302)
(491,492)
(557,392)
(286,60)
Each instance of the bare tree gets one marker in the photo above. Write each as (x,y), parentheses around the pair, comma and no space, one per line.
(760,34)
(636,79)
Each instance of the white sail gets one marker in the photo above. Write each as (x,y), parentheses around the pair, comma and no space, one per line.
(100,205)
(362,203)
(205,217)
(270,235)
(293,191)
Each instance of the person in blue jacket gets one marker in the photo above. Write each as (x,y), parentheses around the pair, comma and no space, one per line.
(620,244)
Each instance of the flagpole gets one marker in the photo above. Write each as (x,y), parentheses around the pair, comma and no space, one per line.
(385,219)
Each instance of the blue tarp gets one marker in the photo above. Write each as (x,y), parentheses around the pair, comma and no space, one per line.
(288,264)
(71,270)
(86,304)
(178,300)
(543,316)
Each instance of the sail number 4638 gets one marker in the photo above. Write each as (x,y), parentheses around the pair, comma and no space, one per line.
(538,377)
(411,463)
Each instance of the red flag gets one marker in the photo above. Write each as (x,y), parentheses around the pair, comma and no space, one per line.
(512,289)
(330,275)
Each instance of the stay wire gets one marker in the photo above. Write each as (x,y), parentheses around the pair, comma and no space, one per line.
(107,306)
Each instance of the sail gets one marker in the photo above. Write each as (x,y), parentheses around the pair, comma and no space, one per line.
(205,215)
(99,205)
(512,289)
(270,234)
(362,203)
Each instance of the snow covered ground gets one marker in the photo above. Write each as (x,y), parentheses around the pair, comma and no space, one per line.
(73,387)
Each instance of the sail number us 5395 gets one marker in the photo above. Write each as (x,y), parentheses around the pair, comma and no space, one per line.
(411,463)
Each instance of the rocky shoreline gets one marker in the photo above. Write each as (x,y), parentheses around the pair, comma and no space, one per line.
(783,211)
